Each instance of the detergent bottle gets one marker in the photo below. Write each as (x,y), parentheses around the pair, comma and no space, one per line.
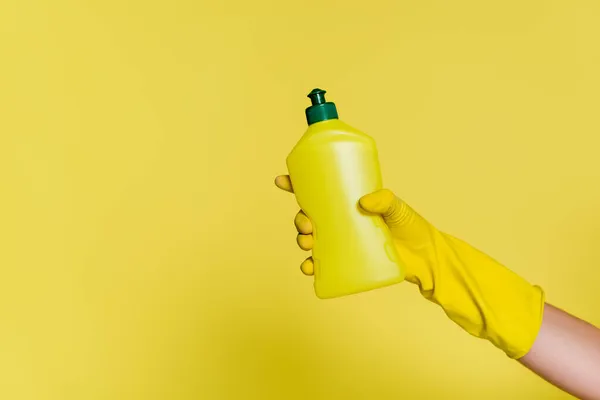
(331,168)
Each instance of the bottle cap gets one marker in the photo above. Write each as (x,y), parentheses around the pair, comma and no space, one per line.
(320,110)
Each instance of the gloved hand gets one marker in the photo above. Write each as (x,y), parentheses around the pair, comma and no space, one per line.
(482,296)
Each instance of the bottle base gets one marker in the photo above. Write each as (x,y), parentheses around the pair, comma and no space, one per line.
(332,294)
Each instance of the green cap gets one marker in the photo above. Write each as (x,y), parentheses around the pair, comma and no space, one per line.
(320,110)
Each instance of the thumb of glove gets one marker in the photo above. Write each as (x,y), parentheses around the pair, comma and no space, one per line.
(404,223)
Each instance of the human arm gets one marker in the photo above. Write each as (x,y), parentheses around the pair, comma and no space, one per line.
(566,353)
(483,297)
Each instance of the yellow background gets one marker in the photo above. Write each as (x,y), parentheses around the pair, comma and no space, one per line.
(146,254)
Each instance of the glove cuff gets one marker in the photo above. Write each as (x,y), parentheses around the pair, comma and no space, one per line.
(485,298)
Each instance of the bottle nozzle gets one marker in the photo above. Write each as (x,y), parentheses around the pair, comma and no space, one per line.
(317,96)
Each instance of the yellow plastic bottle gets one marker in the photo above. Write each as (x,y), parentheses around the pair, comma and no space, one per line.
(331,168)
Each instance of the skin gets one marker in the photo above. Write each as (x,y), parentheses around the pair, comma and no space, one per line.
(566,352)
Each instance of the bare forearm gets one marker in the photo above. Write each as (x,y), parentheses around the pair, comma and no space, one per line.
(566,353)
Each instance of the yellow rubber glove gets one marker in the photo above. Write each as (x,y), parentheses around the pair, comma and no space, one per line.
(479,294)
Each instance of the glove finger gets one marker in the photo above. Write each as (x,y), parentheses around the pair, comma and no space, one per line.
(305,242)
(308,267)
(284,182)
(303,224)
(403,221)
(382,202)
